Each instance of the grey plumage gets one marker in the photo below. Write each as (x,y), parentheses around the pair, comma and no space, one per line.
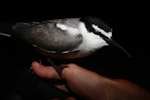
(45,34)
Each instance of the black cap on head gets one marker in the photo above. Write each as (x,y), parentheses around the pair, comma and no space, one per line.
(89,21)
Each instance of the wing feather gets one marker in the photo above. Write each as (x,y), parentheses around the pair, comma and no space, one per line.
(48,36)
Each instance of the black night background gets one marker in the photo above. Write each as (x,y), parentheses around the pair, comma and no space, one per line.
(130,29)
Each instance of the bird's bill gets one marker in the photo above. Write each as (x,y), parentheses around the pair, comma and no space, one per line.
(115,44)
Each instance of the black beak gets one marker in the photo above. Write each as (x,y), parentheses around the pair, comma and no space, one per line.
(115,44)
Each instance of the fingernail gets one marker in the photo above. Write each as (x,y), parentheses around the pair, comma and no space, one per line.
(36,64)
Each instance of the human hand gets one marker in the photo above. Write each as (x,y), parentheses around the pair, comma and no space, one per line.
(91,85)
(76,77)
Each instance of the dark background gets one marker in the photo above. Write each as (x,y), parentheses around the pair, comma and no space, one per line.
(130,29)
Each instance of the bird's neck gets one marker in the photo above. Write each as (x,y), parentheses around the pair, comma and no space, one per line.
(91,42)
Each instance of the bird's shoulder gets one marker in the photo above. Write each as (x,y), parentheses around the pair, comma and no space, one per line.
(72,22)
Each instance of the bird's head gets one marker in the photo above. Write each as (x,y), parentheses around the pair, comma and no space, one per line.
(99,28)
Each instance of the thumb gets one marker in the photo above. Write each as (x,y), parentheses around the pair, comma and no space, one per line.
(44,71)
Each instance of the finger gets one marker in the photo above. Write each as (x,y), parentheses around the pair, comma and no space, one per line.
(70,98)
(44,71)
(62,87)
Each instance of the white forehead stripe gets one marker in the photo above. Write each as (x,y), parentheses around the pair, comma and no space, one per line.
(108,34)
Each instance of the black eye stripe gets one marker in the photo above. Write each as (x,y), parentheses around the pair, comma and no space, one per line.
(101,35)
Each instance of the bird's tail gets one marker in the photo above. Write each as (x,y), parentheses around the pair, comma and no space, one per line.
(6,29)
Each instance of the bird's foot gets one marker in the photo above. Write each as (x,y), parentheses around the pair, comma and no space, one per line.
(58,68)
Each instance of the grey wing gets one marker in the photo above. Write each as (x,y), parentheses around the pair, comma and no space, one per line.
(47,36)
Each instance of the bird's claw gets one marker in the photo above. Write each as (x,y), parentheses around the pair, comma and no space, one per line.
(60,68)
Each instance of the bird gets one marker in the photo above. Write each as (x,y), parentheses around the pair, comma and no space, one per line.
(67,38)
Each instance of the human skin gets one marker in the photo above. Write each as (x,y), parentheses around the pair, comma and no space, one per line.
(90,85)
